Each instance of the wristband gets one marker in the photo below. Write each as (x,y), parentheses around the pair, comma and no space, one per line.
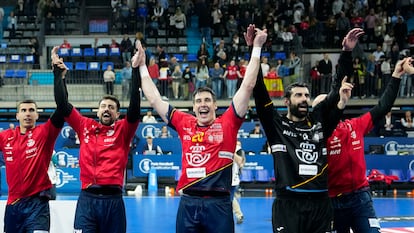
(256,52)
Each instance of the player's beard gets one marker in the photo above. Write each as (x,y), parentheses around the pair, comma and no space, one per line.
(294,110)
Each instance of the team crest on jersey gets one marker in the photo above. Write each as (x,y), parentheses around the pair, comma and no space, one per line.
(197,157)
(306,153)
(110,133)
(30,142)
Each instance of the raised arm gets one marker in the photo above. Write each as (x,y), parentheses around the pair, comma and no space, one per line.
(59,88)
(134,108)
(391,91)
(242,96)
(150,90)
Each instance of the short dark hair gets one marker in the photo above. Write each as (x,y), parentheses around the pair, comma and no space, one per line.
(205,89)
(113,98)
(26,101)
(288,91)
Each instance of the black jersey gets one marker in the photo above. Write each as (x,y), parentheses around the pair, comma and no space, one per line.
(299,148)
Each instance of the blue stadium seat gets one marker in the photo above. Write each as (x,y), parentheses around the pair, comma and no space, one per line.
(9,73)
(102,54)
(69,65)
(64,52)
(81,66)
(105,65)
(114,52)
(262,176)
(192,57)
(3,59)
(266,54)
(21,74)
(76,52)
(280,55)
(15,58)
(94,66)
(179,56)
(29,59)
(89,54)
(246,175)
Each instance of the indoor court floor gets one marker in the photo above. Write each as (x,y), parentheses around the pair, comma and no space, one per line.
(156,213)
(149,213)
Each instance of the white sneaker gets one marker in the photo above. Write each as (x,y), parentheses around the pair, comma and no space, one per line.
(164,98)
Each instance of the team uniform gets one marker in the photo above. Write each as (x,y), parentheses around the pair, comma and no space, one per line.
(27,158)
(300,160)
(348,186)
(103,158)
(205,182)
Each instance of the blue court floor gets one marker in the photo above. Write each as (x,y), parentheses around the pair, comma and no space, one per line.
(157,213)
(149,214)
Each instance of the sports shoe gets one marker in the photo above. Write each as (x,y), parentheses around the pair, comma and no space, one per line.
(240,219)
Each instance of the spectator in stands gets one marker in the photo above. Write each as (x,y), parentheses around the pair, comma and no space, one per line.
(239,158)
(1,23)
(232,26)
(180,22)
(385,72)
(325,69)
(358,78)
(65,44)
(154,71)
(388,42)
(371,77)
(203,11)
(265,66)
(126,73)
(124,12)
(149,118)
(201,74)
(256,132)
(12,24)
(347,180)
(158,14)
(202,53)
(342,25)
(28,150)
(213,136)
(114,44)
(401,33)
(163,79)
(371,21)
(219,48)
(231,75)
(34,46)
(242,72)
(294,64)
(176,81)
(217,17)
(216,75)
(165,132)
(161,56)
(315,80)
(126,48)
(407,121)
(188,82)
(387,125)
(109,79)
(150,148)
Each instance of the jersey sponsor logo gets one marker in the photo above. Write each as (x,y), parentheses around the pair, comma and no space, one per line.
(110,133)
(30,142)
(289,133)
(187,137)
(196,157)
(77,231)
(198,172)
(225,155)
(306,153)
(278,148)
(335,152)
(308,170)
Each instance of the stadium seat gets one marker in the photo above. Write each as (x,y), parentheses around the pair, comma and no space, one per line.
(80,72)
(102,52)
(76,54)
(21,74)
(266,54)
(398,173)
(64,52)
(15,58)
(192,57)
(114,52)
(246,175)
(69,65)
(105,65)
(29,59)
(262,176)
(94,66)
(280,55)
(80,66)
(89,54)
(179,56)
(9,73)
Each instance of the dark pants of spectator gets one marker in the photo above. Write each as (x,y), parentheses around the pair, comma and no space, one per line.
(109,88)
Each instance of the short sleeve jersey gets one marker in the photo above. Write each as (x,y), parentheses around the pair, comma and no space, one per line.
(207,151)
(103,149)
(27,158)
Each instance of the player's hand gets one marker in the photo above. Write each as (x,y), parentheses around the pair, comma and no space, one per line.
(351,39)
(54,55)
(408,65)
(250,34)
(344,93)
(260,37)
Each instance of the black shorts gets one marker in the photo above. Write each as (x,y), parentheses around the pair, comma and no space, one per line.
(294,215)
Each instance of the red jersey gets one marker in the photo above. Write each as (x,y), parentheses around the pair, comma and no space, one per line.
(104,149)
(207,151)
(232,72)
(345,147)
(154,71)
(27,157)
(242,70)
